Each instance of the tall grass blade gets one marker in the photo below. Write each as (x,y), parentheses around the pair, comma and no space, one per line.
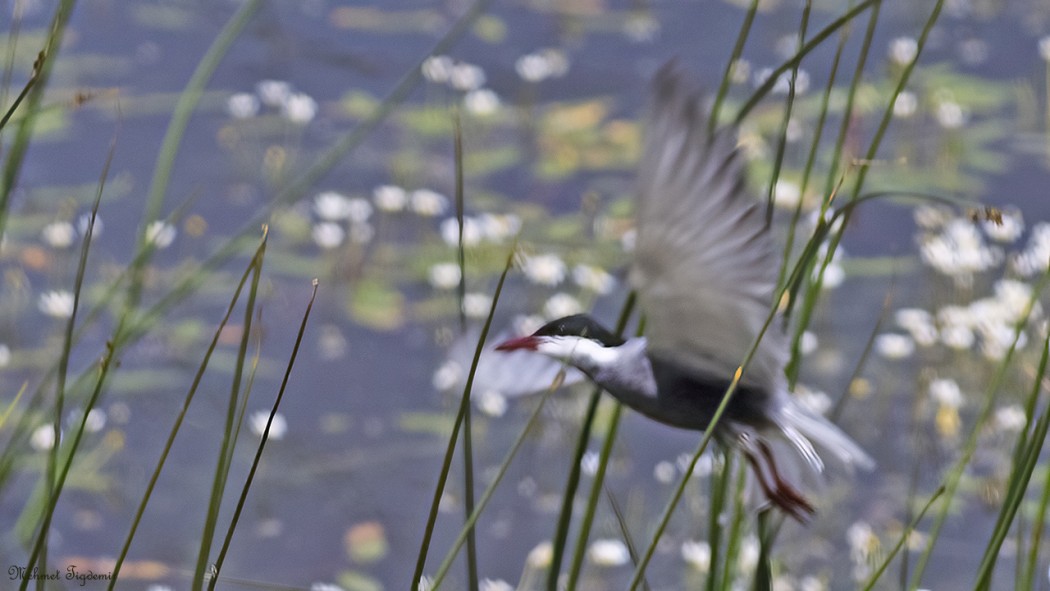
(811,158)
(738,50)
(625,532)
(53,487)
(1020,475)
(789,104)
(954,476)
(20,145)
(229,441)
(446,464)
(262,440)
(184,108)
(592,500)
(796,59)
(140,511)
(561,533)
(1027,578)
(468,445)
(875,576)
(25,91)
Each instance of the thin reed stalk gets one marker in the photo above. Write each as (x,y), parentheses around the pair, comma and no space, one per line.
(446,465)
(264,437)
(561,533)
(192,391)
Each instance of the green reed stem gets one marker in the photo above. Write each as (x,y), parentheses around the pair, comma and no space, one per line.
(738,50)
(954,476)
(792,62)
(568,498)
(789,104)
(875,576)
(229,441)
(52,488)
(446,464)
(461,292)
(1025,458)
(20,145)
(590,510)
(263,439)
(141,510)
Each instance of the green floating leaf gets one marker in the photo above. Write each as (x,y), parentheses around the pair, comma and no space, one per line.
(377,305)
(162,16)
(355,581)
(423,422)
(490,28)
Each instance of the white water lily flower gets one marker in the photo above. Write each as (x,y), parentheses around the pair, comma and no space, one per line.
(437,68)
(903,50)
(1044,48)
(472,231)
(390,198)
(466,77)
(608,552)
(332,206)
(273,93)
(481,102)
(477,305)
(160,233)
(58,234)
(491,402)
(1007,229)
(257,424)
(447,375)
(328,235)
(43,438)
(697,553)
(946,392)
(894,346)
(428,203)
(544,269)
(444,275)
(905,104)
(560,305)
(299,108)
(242,105)
(593,279)
(56,303)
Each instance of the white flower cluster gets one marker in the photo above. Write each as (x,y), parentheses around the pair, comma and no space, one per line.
(958,250)
(336,212)
(466,78)
(279,95)
(989,321)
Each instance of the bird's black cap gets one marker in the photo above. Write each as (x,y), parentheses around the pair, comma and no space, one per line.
(579,325)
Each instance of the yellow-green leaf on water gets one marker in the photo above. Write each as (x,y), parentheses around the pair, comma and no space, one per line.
(393,21)
(426,422)
(377,305)
(352,580)
(482,162)
(490,28)
(428,121)
(162,16)
(358,104)
(366,542)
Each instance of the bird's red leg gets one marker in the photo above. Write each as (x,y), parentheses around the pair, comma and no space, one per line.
(781,494)
(784,488)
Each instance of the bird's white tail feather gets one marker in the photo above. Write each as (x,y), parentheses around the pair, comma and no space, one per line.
(807,431)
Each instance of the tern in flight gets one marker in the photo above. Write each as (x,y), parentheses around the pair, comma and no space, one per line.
(705,274)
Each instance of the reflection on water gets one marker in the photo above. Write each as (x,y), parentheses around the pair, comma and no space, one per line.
(548,99)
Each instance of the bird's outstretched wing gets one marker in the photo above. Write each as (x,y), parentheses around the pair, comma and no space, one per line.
(704,265)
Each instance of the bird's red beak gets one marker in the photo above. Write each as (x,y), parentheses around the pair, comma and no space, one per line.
(528,343)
